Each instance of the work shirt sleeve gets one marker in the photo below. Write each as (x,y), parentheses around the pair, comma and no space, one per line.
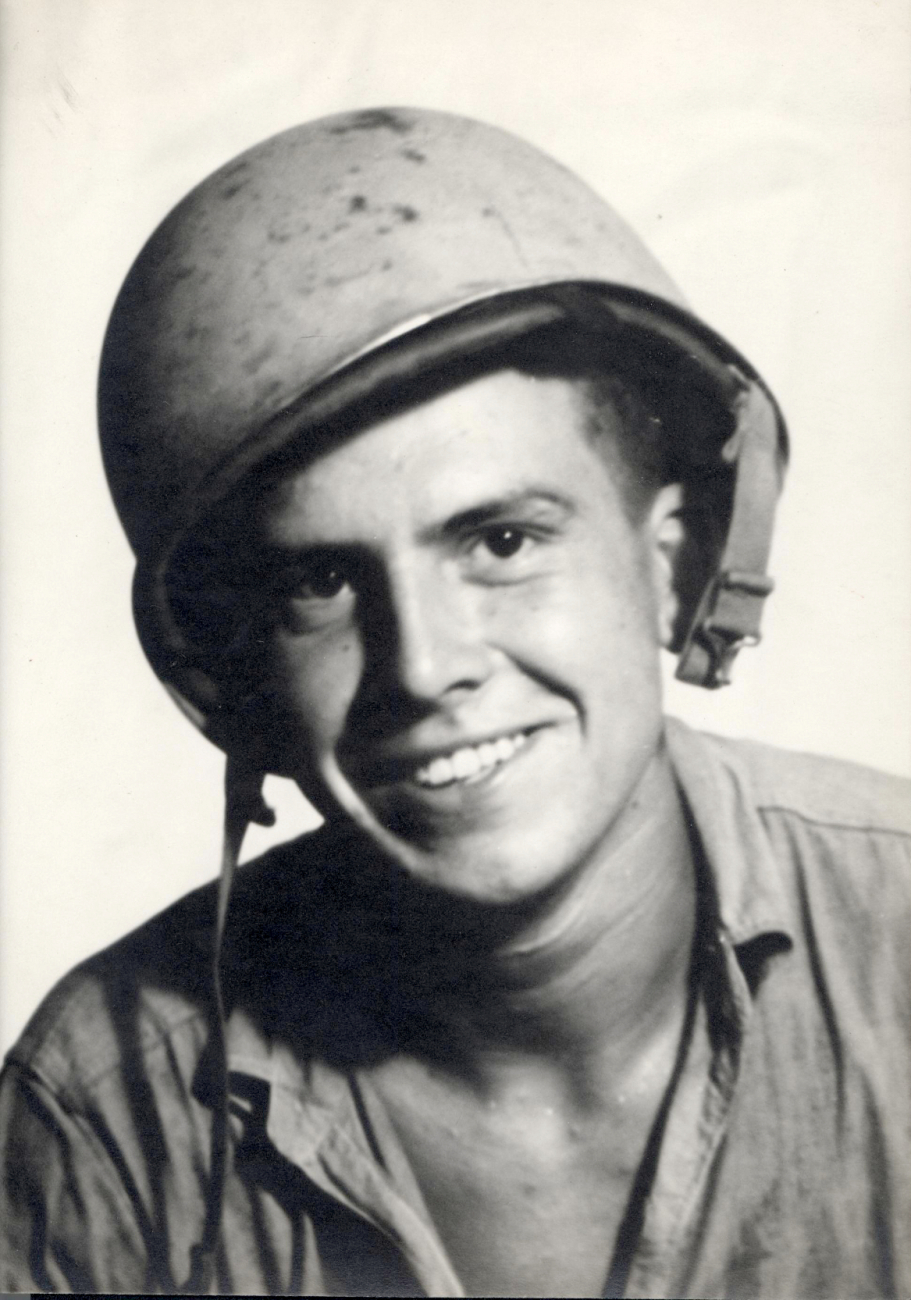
(66,1221)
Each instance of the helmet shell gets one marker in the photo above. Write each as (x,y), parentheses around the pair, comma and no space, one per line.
(308,250)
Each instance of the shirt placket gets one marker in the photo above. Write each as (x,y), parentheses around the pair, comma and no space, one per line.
(695,1129)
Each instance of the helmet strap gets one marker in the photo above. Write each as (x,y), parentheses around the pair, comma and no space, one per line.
(729,612)
(244,804)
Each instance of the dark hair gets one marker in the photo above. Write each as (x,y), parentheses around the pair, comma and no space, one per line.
(624,421)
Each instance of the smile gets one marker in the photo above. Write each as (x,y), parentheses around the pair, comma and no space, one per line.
(470,762)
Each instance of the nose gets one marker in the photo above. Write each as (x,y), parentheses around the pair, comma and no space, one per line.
(436,645)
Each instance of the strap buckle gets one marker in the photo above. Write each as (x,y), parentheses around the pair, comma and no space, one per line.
(727,621)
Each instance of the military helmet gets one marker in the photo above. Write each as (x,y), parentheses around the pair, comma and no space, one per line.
(360,249)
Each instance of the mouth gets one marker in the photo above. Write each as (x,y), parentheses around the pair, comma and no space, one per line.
(470,763)
(459,765)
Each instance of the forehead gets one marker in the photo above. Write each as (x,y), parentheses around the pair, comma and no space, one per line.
(496,436)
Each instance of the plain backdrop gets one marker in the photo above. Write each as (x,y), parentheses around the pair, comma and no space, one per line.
(762,149)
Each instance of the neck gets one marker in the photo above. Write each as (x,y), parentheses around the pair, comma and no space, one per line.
(585,974)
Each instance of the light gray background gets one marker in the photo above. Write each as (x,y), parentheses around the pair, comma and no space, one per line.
(762,149)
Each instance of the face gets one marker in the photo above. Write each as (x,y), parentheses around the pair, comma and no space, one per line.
(463,653)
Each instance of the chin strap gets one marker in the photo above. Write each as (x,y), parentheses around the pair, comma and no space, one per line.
(244,804)
(730,610)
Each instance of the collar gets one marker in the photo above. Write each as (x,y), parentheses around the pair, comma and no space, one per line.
(332,1127)
(717,792)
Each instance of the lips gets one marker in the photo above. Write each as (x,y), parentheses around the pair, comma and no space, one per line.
(455,765)
(470,761)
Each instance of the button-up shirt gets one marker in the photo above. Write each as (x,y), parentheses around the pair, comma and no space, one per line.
(784,1165)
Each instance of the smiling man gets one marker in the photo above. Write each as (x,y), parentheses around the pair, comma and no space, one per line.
(424,461)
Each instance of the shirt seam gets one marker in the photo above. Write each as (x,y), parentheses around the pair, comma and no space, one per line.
(62,1089)
(829,824)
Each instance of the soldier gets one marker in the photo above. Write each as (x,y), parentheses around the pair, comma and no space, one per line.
(423,460)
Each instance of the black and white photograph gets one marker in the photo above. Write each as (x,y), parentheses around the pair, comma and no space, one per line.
(455,817)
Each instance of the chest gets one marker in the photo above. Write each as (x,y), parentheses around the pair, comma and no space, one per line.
(526,1199)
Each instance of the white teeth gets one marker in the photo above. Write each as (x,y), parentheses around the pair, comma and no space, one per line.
(466,762)
(438,773)
(470,760)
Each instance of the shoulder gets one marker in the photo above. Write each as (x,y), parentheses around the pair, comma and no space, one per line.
(147,993)
(813,788)
(821,835)
(815,847)
(844,831)
(123,1000)
(828,791)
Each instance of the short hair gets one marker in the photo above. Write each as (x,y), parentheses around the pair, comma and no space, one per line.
(624,422)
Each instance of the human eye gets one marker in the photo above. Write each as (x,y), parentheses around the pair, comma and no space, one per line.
(502,552)
(314,592)
(503,541)
(321,580)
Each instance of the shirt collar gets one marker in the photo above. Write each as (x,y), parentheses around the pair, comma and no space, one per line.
(715,784)
(315,1116)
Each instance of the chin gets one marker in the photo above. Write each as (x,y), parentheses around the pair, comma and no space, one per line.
(494,867)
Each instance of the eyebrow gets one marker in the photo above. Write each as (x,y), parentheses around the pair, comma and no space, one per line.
(271,555)
(524,500)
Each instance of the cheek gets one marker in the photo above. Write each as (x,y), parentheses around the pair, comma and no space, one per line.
(590,625)
(309,686)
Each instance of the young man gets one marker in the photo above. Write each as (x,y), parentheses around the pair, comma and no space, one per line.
(423,461)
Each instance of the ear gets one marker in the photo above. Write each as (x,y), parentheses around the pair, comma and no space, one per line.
(667,537)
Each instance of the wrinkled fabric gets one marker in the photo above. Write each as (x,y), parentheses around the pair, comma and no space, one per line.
(784,1167)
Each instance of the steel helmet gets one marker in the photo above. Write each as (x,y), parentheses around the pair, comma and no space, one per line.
(361,248)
